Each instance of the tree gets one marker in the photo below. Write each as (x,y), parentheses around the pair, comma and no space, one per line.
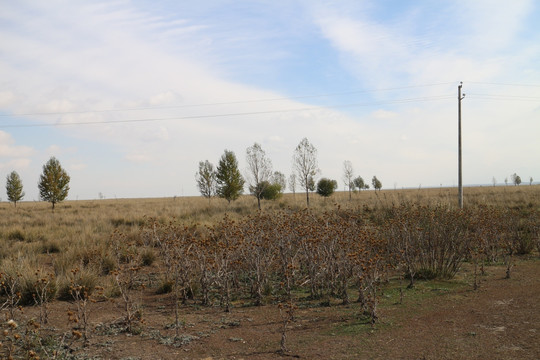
(259,171)
(377,185)
(272,191)
(530,180)
(506,181)
(360,184)
(305,165)
(54,182)
(292,183)
(206,179)
(494,181)
(14,188)
(348,174)
(326,187)
(516,179)
(230,183)
(279,178)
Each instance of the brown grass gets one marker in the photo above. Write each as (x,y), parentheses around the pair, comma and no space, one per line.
(78,234)
(78,229)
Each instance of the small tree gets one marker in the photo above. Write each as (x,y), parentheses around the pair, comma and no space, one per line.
(516,179)
(53,183)
(272,191)
(14,188)
(494,181)
(259,171)
(326,187)
(230,183)
(279,178)
(292,183)
(360,184)
(206,179)
(348,174)
(305,165)
(530,180)
(377,185)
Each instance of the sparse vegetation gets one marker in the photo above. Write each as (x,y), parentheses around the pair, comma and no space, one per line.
(191,254)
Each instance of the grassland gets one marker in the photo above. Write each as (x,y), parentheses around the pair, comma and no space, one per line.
(77,240)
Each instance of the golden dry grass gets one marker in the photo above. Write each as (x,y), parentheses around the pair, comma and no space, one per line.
(79,230)
(88,242)
(33,227)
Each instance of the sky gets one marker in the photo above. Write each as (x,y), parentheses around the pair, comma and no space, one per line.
(130,96)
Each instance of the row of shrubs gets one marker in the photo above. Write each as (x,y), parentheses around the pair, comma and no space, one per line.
(272,256)
(320,248)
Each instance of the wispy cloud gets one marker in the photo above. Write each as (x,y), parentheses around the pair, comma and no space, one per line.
(195,73)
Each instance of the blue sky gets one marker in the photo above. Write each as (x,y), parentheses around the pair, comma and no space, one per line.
(372,82)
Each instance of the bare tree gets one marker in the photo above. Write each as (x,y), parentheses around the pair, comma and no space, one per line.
(206,179)
(259,171)
(305,165)
(348,176)
(292,183)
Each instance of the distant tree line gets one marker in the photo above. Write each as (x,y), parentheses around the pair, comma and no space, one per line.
(227,182)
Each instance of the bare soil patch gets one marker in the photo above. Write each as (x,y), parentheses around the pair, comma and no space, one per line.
(437,320)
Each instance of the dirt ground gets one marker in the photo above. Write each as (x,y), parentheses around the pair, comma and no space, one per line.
(500,320)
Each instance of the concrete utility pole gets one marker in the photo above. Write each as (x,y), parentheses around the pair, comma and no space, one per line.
(460,180)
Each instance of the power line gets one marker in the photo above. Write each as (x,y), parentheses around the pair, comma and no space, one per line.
(504,97)
(502,84)
(226,102)
(397,101)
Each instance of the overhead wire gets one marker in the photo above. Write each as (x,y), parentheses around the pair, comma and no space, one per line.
(227,102)
(191,117)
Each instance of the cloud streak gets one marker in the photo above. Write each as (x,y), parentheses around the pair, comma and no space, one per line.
(193,64)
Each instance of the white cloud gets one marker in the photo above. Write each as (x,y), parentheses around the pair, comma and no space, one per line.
(138,158)
(384,114)
(181,76)
(78,166)
(6,98)
(15,164)
(8,149)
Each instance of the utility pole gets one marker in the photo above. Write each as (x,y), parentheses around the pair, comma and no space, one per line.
(460,180)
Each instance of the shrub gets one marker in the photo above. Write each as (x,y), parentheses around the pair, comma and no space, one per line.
(16,235)
(148,257)
(87,278)
(50,247)
(165,287)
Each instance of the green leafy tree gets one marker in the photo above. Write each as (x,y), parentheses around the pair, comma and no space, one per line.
(54,182)
(272,191)
(360,184)
(326,187)
(14,188)
(311,184)
(516,179)
(230,183)
(377,185)
(206,179)
(305,165)
(259,171)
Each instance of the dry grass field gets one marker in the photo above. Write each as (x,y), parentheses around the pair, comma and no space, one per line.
(121,279)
